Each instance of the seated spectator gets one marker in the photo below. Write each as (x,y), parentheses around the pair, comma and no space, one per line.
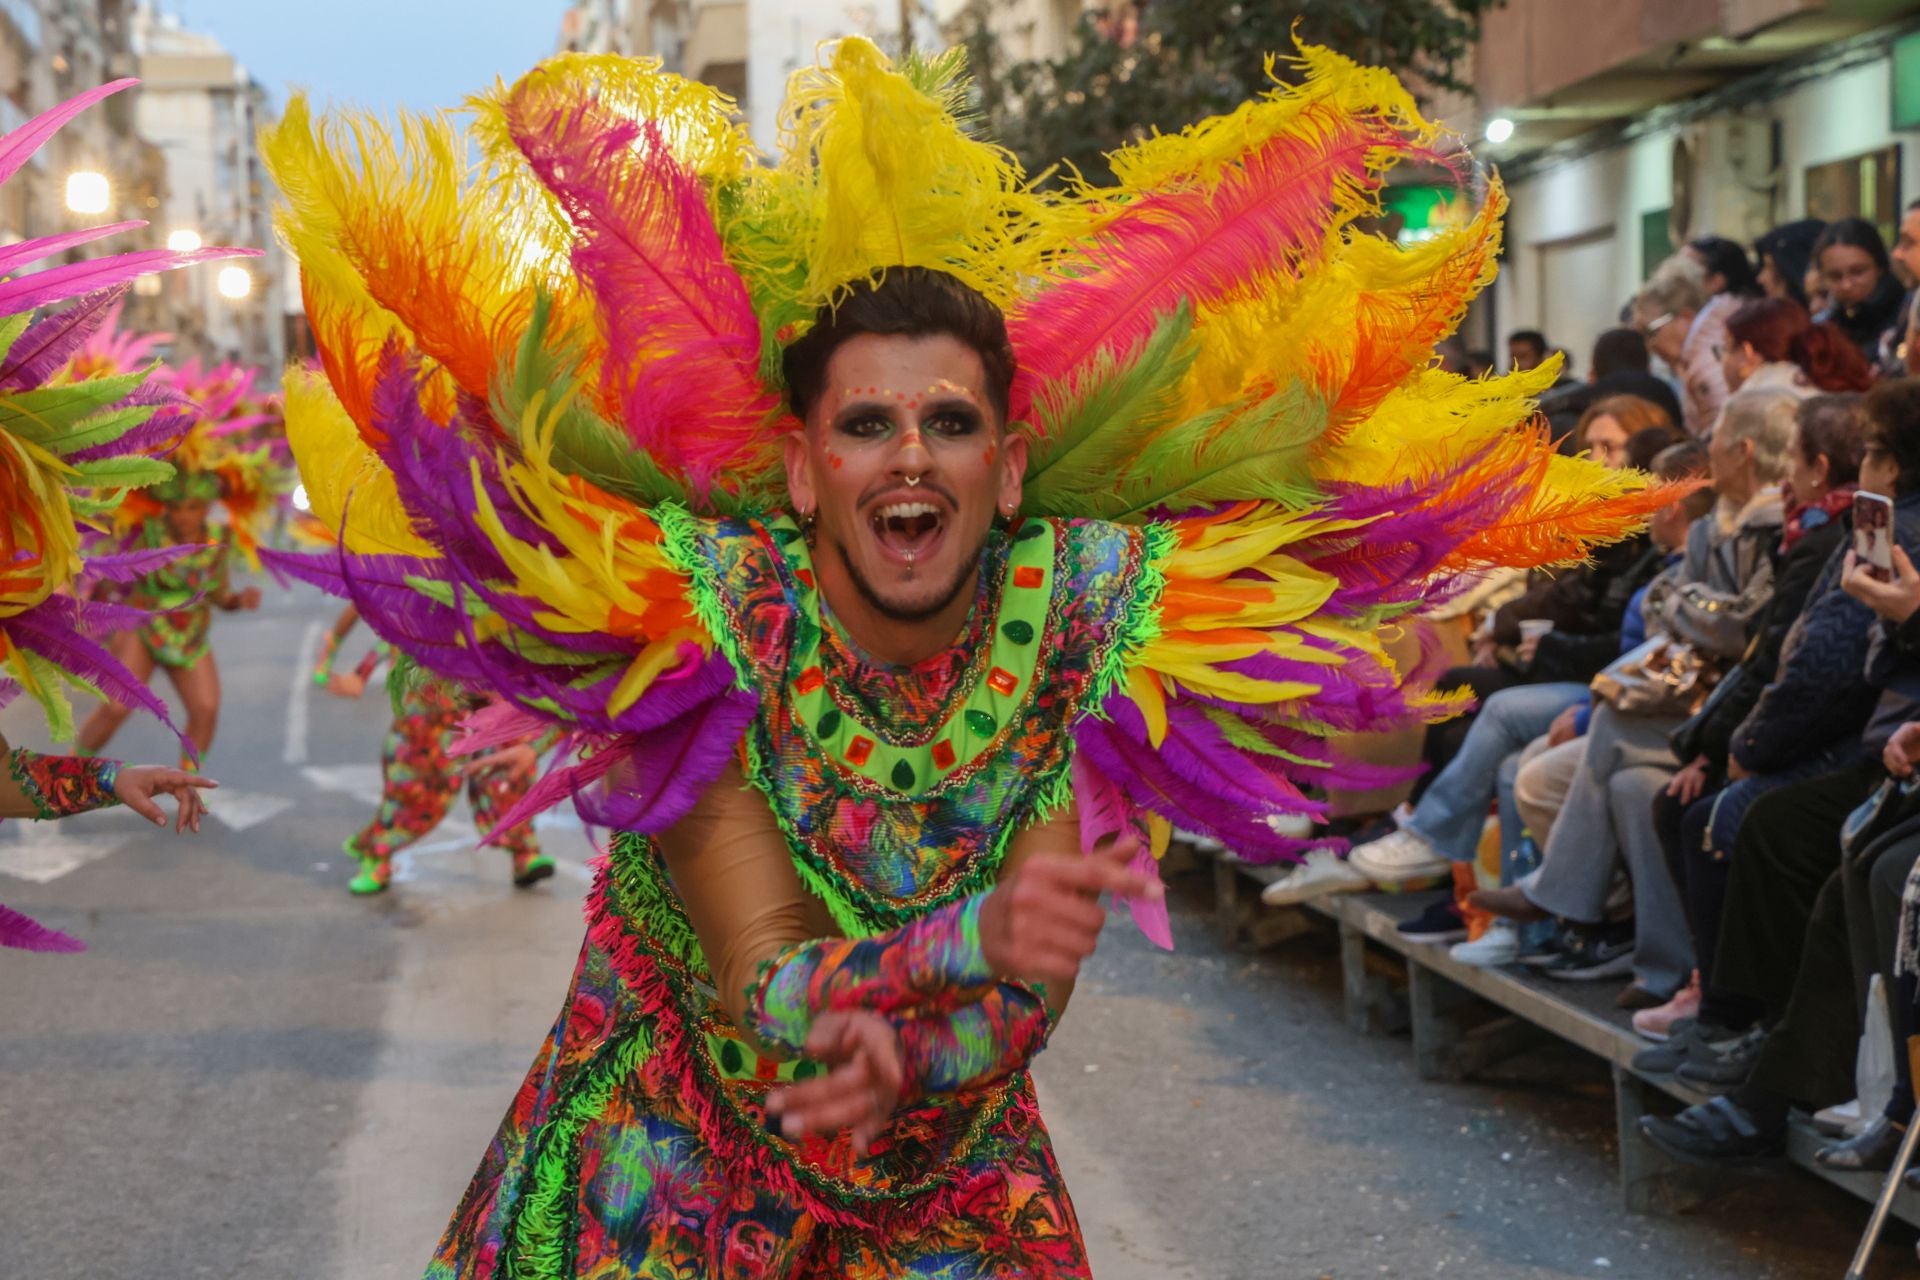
(1709,604)
(1781,1015)
(1618,368)
(1772,342)
(1585,605)
(1445,826)
(1685,325)
(1786,255)
(1751,737)
(1865,296)
(1526,349)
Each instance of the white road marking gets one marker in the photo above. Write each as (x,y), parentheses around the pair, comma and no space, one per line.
(239,810)
(43,852)
(295,751)
(361,781)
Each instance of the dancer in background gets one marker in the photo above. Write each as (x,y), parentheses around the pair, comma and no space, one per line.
(421,774)
(68,454)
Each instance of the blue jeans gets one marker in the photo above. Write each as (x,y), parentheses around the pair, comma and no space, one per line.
(1454,809)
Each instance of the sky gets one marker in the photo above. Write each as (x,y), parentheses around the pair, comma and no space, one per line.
(379,53)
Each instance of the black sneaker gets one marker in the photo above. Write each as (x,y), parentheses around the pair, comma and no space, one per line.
(1718,1131)
(1588,955)
(1440,922)
(1547,952)
(1724,1066)
(1690,1041)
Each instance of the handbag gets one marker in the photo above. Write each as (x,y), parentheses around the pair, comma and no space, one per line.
(1664,677)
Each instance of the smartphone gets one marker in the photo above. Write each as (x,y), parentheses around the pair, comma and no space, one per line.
(1873,534)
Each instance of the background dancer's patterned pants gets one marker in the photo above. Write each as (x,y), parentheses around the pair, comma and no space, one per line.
(422,777)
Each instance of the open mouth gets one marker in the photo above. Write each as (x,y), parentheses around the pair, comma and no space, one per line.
(907,529)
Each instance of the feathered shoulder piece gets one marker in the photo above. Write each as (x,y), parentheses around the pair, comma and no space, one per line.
(550,332)
(74,442)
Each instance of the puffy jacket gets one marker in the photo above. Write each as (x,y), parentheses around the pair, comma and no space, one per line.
(1831,670)
(1714,597)
(1586,605)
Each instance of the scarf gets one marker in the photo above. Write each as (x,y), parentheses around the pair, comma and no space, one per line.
(1808,516)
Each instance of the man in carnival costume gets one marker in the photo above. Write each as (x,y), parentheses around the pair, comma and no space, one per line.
(73,442)
(904,551)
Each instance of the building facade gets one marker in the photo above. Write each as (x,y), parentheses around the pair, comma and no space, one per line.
(203,112)
(1638,124)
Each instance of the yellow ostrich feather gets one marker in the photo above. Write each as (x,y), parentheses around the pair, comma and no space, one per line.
(349,489)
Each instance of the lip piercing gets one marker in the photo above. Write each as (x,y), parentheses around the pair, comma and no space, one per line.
(909,564)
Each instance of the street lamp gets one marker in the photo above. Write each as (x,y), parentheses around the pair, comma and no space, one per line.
(1499,129)
(183,240)
(88,192)
(234,283)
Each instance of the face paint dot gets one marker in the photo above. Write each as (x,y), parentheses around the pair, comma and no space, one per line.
(833,460)
(989,455)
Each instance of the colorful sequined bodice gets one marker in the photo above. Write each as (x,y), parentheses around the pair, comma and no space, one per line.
(898,787)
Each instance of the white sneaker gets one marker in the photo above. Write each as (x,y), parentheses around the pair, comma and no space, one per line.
(1290,826)
(1499,945)
(1398,858)
(1322,873)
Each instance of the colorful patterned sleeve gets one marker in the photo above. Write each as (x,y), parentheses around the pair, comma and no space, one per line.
(973,1044)
(59,786)
(933,965)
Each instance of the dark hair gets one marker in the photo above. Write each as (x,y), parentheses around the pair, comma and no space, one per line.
(1534,337)
(913,302)
(1835,428)
(1619,351)
(1648,443)
(1790,246)
(1893,424)
(1779,329)
(1859,233)
(1686,461)
(1728,260)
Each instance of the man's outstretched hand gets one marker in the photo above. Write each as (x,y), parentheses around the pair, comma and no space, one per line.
(862,1085)
(139,785)
(1044,918)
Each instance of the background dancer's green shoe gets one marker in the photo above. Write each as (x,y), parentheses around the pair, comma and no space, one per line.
(376,871)
(531,868)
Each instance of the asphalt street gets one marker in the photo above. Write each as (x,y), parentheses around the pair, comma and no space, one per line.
(252,1074)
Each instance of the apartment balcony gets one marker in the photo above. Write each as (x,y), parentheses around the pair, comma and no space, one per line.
(1560,68)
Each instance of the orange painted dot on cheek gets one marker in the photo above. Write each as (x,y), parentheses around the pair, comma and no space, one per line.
(989,455)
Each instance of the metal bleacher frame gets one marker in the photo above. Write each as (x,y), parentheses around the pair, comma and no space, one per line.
(1463,1019)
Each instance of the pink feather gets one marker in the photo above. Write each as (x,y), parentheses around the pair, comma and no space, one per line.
(495,725)
(17,147)
(1194,246)
(57,284)
(683,341)
(15,256)
(28,934)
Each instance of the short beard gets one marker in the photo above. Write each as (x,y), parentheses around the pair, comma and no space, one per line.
(893,612)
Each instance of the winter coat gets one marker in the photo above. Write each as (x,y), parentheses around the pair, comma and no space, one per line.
(1586,605)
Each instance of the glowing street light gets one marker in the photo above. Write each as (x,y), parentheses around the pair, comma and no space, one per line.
(183,241)
(88,192)
(234,282)
(1499,129)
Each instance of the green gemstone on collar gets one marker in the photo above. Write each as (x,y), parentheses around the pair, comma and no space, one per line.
(732,1060)
(1031,529)
(785,534)
(903,778)
(1019,631)
(829,724)
(981,723)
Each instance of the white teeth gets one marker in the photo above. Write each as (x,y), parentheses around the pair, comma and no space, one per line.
(907,510)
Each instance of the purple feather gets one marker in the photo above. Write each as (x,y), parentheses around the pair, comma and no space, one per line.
(28,934)
(657,782)
(130,566)
(50,342)
(54,630)
(157,437)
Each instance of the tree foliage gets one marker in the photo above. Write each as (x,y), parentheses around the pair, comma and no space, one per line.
(1134,66)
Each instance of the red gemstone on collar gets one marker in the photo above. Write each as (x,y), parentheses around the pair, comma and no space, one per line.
(1028,575)
(1001,680)
(810,679)
(943,754)
(859,749)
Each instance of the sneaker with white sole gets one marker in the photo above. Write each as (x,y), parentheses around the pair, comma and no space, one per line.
(1322,873)
(1499,945)
(1399,859)
(1290,826)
